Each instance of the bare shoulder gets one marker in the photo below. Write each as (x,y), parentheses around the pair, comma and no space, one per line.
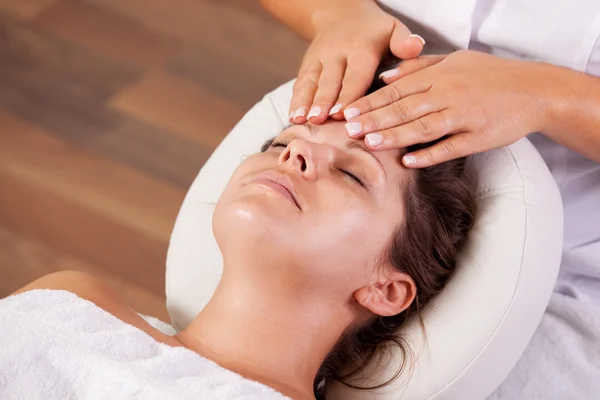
(83,284)
(99,292)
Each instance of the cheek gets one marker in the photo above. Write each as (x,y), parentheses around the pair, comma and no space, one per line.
(342,214)
(349,237)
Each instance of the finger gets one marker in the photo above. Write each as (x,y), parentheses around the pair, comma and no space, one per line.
(422,130)
(456,146)
(330,83)
(405,47)
(412,84)
(304,91)
(409,66)
(357,80)
(396,114)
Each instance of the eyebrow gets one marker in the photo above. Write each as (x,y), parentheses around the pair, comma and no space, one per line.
(312,128)
(352,144)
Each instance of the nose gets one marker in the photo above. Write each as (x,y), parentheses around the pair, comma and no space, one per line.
(306,158)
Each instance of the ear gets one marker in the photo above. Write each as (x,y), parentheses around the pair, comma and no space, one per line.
(388,296)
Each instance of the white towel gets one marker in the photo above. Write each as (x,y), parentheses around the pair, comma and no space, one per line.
(562,361)
(56,345)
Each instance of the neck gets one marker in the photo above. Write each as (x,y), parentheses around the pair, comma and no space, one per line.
(271,335)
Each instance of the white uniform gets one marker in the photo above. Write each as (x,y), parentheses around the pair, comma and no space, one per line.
(563,358)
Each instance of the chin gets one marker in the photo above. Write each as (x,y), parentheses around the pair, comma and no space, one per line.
(250,222)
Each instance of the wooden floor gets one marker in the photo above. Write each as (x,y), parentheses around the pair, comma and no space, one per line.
(108,108)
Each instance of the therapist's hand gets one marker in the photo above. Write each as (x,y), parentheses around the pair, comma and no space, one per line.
(339,65)
(481,101)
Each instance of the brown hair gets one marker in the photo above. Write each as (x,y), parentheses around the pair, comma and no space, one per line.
(439,213)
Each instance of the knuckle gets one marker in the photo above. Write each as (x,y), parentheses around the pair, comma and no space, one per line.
(447,148)
(305,83)
(443,123)
(324,99)
(330,82)
(425,127)
(401,111)
(429,156)
(354,82)
(367,104)
(393,93)
(310,66)
(371,122)
(390,137)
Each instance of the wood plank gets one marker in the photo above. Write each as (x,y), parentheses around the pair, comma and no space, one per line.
(153,151)
(227,76)
(24,9)
(34,156)
(58,85)
(99,211)
(37,59)
(105,32)
(33,210)
(67,95)
(180,106)
(24,259)
(158,153)
(226,26)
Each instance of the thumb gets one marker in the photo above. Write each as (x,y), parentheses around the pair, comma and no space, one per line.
(405,45)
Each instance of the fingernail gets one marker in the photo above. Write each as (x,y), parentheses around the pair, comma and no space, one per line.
(300,112)
(353,128)
(335,109)
(291,115)
(389,73)
(374,139)
(350,113)
(409,160)
(315,111)
(418,37)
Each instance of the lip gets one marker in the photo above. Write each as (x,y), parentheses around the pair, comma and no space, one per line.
(281,183)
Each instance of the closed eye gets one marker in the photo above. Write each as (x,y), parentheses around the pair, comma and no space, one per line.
(352,176)
(276,143)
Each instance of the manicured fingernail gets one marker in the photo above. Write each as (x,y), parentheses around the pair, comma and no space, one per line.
(300,112)
(418,37)
(335,109)
(350,113)
(389,73)
(353,128)
(409,160)
(291,115)
(374,139)
(315,111)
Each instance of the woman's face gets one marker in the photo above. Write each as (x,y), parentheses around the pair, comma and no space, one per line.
(315,209)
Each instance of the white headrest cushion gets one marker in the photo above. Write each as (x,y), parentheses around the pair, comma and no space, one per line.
(477,328)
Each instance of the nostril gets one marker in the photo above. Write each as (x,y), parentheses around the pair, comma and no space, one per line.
(285,155)
(302,163)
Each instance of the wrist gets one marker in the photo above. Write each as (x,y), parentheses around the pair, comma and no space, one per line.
(543,99)
(332,12)
(555,99)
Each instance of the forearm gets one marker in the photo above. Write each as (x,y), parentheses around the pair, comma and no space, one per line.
(573,110)
(306,17)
